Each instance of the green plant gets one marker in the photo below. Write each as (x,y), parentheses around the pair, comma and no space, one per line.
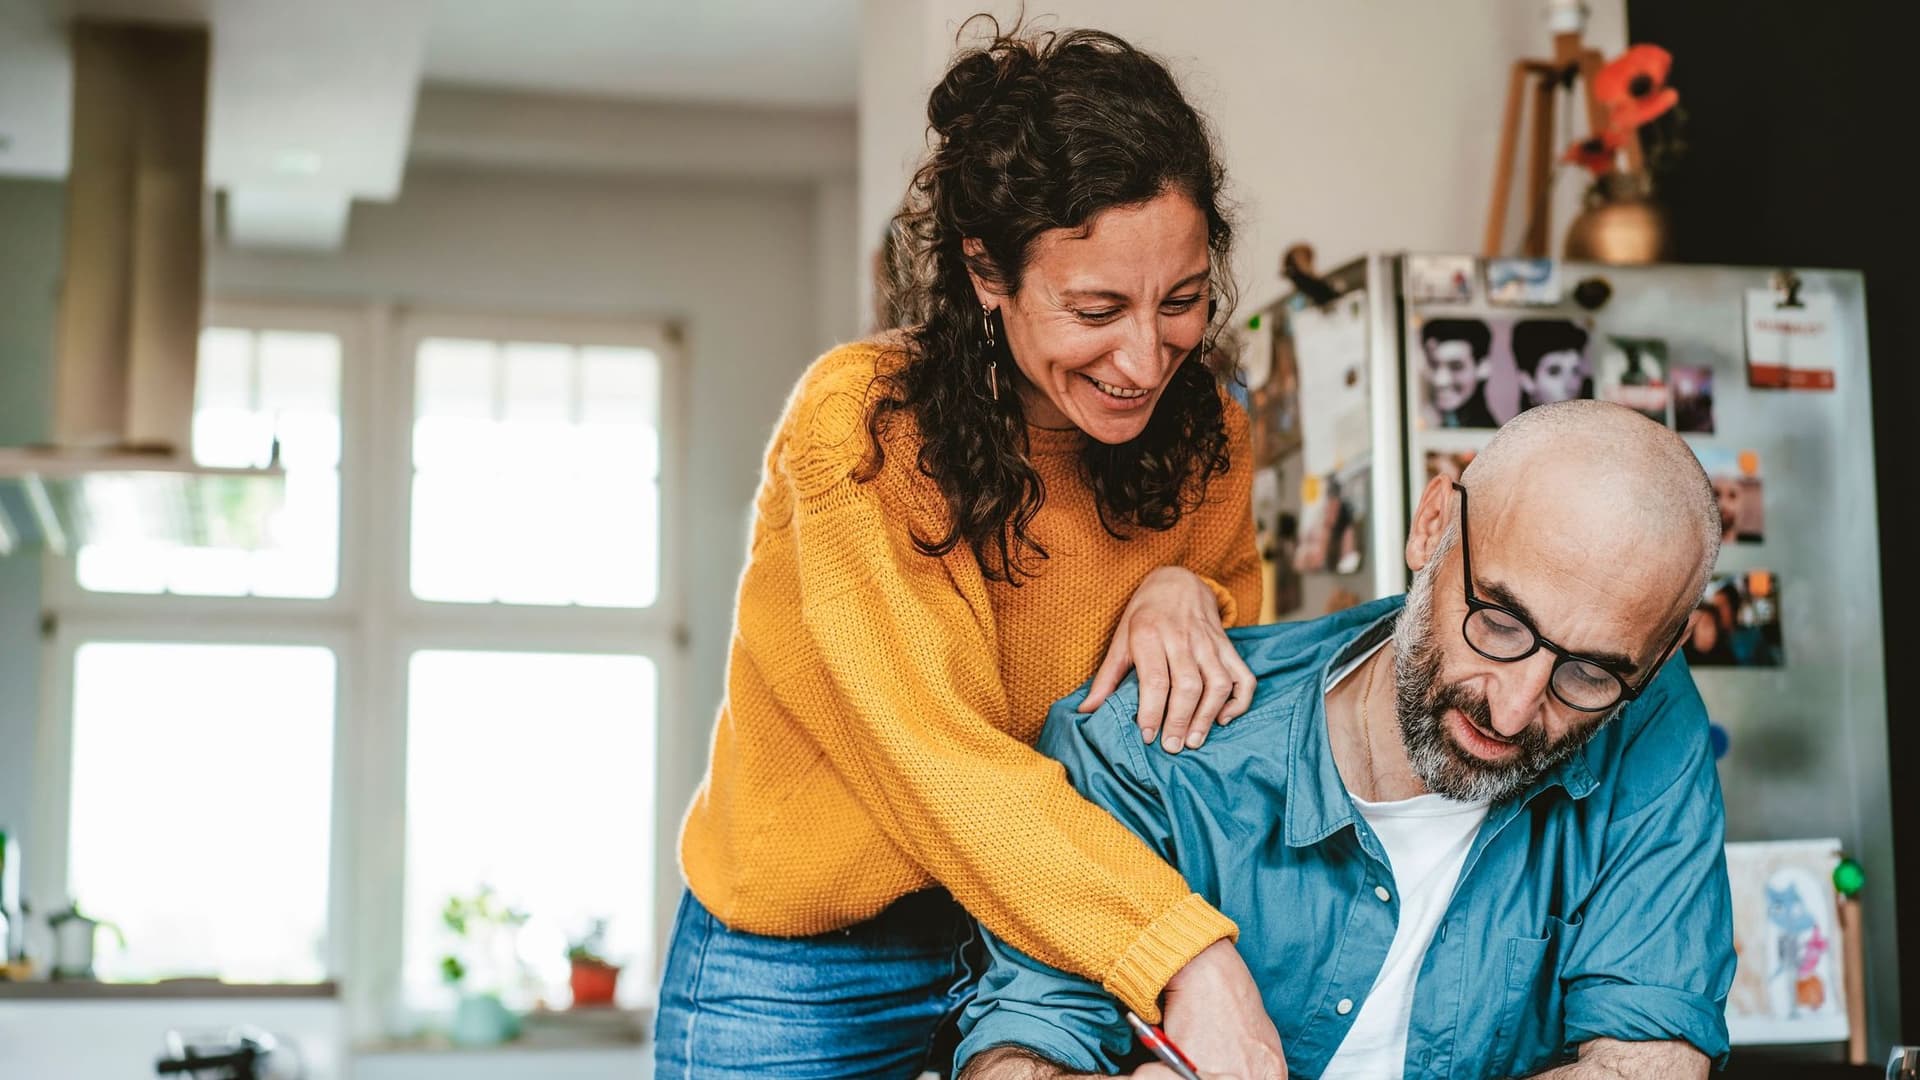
(590,948)
(477,921)
(483,908)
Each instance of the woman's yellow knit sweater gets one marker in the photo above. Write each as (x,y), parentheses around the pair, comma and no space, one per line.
(881,705)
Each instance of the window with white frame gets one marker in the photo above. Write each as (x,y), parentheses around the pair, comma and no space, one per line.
(527,775)
(522,448)
(466,582)
(200,802)
(261,396)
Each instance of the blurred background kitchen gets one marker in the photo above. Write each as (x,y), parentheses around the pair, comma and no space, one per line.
(350,702)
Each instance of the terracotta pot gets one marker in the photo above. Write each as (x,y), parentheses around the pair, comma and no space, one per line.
(1620,224)
(593,984)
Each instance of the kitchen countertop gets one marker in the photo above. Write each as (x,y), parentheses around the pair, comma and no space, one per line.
(92,990)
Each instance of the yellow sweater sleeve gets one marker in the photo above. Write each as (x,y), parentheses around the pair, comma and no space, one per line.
(908,708)
(1230,555)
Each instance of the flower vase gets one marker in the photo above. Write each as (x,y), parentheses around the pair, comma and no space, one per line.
(481,1020)
(1620,223)
(593,983)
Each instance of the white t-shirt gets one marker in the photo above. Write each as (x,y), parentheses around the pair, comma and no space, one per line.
(1426,839)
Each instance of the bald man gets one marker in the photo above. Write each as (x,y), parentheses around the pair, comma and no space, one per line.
(1470,832)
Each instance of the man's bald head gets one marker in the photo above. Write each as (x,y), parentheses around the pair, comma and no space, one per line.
(1588,526)
(1626,489)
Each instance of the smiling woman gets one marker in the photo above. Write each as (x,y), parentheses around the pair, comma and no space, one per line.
(1039,481)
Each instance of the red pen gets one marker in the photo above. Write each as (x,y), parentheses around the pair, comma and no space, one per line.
(1156,1040)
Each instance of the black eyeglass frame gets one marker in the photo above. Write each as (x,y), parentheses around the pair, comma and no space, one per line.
(1562,657)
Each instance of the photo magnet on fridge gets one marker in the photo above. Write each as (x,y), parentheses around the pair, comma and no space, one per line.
(1737,622)
(1692,400)
(1523,281)
(1792,342)
(1482,372)
(1451,464)
(1333,521)
(1735,476)
(1440,279)
(1633,372)
(1273,394)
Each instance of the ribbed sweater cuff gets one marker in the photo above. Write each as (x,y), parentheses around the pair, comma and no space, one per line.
(1229,611)
(1181,933)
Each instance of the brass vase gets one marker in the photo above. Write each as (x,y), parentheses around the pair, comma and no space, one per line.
(1620,223)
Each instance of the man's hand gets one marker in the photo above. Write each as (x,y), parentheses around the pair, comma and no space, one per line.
(1214,1013)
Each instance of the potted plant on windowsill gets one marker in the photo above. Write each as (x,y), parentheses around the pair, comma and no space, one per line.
(594,978)
(485,928)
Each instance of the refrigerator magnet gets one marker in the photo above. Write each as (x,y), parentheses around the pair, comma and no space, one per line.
(1737,489)
(1523,282)
(1692,399)
(1440,279)
(1632,371)
(1791,339)
(1737,622)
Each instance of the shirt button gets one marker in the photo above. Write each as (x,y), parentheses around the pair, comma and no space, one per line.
(1381,892)
(1345,1006)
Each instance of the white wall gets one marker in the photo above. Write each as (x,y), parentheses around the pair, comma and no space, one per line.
(733,263)
(840,263)
(1365,124)
(477,130)
(32,221)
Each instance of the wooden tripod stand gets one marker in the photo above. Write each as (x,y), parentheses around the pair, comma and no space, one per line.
(1572,61)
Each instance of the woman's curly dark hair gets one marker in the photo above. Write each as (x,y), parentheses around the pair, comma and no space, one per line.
(1034,133)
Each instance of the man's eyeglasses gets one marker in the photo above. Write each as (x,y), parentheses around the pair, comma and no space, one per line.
(1501,634)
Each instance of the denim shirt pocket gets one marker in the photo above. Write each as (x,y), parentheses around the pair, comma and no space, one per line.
(1532,1032)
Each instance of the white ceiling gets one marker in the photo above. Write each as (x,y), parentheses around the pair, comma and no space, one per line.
(312,101)
(753,52)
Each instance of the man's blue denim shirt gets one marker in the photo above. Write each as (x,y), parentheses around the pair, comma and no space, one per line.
(1595,904)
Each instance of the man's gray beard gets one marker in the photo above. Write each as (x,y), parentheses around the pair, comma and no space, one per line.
(1421,705)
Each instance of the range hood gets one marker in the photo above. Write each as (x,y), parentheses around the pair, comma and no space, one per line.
(120,464)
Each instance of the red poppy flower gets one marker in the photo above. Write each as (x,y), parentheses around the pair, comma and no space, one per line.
(1596,153)
(1633,86)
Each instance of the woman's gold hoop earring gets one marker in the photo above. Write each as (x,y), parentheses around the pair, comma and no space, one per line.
(993,364)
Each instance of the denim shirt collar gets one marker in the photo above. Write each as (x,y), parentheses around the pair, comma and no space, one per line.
(1318,804)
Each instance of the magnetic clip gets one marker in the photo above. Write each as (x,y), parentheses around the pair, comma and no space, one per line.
(1786,289)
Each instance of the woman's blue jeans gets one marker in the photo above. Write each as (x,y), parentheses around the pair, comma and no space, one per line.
(877,1000)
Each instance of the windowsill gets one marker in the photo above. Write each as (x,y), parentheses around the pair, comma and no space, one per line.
(608,1030)
(440,1047)
(168,989)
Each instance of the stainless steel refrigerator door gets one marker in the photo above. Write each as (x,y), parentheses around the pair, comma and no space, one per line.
(1808,747)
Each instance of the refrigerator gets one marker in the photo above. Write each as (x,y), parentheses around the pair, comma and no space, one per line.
(1362,383)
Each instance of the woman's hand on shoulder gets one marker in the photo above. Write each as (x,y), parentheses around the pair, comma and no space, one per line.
(1191,677)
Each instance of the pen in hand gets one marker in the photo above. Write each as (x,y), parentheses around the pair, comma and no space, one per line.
(1156,1040)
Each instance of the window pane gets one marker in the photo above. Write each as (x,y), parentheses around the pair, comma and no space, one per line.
(453,402)
(531,774)
(200,807)
(251,388)
(453,543)
(619,564)
(300,396)
(622,386)
(539,382)
(537,471)
(302,560)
